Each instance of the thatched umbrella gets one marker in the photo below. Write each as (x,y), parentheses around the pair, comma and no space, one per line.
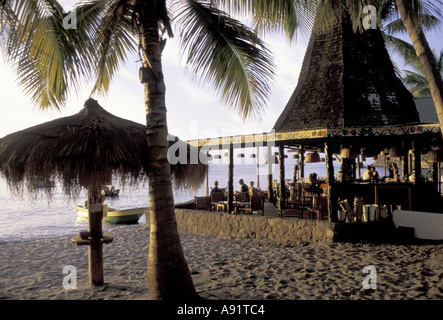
(85,150)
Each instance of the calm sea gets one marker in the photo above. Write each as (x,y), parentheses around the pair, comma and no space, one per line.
(28,218)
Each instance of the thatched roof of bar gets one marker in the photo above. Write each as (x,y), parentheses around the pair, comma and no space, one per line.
(347,80)
(82,150)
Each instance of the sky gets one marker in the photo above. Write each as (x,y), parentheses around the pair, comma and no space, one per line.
(193,111)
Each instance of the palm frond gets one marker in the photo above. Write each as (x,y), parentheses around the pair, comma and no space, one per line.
(108,24)
(47,57)
(428,22)
(226,54)
(401,47)
(420,8)
(289,17)
(416,83)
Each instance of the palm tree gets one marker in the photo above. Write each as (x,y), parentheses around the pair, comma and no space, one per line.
(391,26)
(416,81)
(51,60)
(409,11)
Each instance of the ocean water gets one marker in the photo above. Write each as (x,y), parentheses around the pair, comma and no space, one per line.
(25,218)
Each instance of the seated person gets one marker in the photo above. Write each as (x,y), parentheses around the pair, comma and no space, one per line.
(252,190)
(396,175)
(315,183)
(367,174)
(391,171)
(243,186)
(312,178)
(216,188)
(374,173)
(243,189)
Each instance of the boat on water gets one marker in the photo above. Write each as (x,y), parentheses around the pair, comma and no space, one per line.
(113,215)
(425,225)
(110,191)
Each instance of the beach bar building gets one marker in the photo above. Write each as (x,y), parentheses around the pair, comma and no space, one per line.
(349,104)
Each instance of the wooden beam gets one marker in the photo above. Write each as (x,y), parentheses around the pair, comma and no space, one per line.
(95,251)
(230,208)
(282,194)
(330,180)
(417,161)
(269,164)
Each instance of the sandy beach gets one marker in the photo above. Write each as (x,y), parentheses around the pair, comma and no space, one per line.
(228,269)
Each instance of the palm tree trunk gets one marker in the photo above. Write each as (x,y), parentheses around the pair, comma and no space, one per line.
(168,272)
(426,57)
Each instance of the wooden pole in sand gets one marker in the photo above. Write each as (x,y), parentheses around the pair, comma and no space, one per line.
(302,162)
(269,164)
(258,167)
(405,162)
(332,214)
(230,208)
(95,251)
(417,161)
(282,195)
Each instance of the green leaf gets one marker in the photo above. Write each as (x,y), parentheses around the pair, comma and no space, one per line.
(225,54)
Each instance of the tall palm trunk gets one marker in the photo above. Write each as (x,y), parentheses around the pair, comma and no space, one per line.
(425,56)
(168,272)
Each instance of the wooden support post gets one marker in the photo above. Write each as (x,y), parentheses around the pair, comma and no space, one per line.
(230,208)
(434,173)
(405,166)
(207,181)
(282,195)
(405,162)
(95,252)
(258,166)
(270,162)
(302,163)
(417,161)
(330,179)
(439,177)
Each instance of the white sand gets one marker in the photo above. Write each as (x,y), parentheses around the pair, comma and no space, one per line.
(228,269)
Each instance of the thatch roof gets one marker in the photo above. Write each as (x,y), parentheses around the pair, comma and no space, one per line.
(83,150)
(346,81)
(426,109)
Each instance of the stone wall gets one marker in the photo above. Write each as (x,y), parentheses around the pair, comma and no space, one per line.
(245,226)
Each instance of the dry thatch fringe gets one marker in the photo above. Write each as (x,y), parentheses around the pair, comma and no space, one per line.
(88,148)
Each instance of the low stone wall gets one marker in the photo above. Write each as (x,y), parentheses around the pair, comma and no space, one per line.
(245,226)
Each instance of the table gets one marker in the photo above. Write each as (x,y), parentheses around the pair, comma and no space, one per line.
(223,205)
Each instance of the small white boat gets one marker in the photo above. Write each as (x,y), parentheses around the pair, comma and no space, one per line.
(426,225)
(110,191)
(112,215)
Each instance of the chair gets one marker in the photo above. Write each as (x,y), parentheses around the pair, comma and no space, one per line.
(255,204)
(319,208)
(295,195)
(242,197)
(241,201)
(216,197)
(296,202)
(202,203)
(307,193)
